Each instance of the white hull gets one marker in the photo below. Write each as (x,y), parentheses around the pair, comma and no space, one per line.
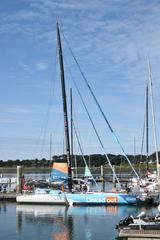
(50,197)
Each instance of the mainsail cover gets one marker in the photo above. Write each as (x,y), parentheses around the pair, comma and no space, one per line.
(59,172)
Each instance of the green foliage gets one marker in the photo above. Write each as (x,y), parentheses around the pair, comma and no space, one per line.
(94,160)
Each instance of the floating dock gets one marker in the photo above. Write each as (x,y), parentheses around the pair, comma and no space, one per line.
(133,234)
(8,196)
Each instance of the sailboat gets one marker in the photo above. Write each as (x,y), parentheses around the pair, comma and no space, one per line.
(89,198)
(50,196)
(152,179)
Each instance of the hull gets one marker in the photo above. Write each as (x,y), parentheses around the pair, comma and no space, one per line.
(101,199)
(46,196)
(43,197)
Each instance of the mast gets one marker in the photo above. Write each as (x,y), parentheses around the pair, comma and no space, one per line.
(66,128)
(71,125)
(73,157)
(147,156)
(153,119)
(50,148)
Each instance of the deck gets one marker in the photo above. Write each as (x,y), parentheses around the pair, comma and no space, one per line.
(140,234)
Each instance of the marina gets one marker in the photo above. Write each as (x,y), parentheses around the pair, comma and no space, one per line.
(41,208)
(29,190)
(142,226)
(8,196)
(62,172)
(28,221)
(79,120)
(139,234)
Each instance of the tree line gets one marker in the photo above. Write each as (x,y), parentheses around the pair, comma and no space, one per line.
(93,160)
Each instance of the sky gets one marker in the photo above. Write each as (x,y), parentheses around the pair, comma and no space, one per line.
(111,40)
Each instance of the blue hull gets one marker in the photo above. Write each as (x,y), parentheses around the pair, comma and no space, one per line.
(102,199)
(89,198)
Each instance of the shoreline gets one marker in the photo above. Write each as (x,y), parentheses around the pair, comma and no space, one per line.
(95,170)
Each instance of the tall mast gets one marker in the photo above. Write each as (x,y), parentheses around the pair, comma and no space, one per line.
(71,125)
(147,156)
(50,148)
(66,128)
(153,119)
(73,157)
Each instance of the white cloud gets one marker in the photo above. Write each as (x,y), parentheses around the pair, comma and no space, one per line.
(42,66)
(25,67)
(109,38)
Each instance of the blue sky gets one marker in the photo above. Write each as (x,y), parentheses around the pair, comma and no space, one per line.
(110,39)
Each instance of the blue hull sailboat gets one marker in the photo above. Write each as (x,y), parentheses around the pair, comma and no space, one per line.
(101,198)
(69,197)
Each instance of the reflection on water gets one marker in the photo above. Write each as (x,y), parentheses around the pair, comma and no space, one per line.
(61,225)
(39,222)
(53,216)
(3,207)
(73,222)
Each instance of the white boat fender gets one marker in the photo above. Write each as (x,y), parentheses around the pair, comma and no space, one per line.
(142,214)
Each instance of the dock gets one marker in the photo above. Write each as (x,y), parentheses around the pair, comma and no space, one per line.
(8,196)
(140,234)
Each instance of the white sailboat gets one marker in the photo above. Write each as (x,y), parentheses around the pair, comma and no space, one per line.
(151,180)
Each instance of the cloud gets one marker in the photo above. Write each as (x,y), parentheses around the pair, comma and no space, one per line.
(21,15)
(110,40)
(25,67)
(41,66)
(21,111)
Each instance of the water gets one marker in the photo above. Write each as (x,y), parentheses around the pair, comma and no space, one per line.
(38,222)
(33,222)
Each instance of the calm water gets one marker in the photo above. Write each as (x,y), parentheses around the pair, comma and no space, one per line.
(33,222)
(38,222)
